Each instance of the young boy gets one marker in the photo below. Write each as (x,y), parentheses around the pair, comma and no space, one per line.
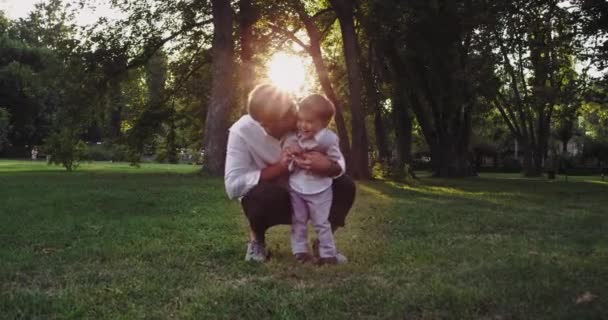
(311,195)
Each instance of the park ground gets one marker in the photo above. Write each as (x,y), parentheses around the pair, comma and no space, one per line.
(110,241)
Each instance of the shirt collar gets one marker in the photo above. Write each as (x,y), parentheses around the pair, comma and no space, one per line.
(316,137)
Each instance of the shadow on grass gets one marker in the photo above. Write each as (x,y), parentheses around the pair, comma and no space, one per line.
(573,211)
(498,248)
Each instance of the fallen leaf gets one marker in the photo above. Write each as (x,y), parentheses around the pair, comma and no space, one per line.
(49,250)
(585,298)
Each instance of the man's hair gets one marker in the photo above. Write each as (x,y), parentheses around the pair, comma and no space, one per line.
(267,101)
(320,105)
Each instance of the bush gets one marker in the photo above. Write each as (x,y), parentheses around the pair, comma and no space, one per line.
(596,149)
(512,165)
(65,148)
(383,170)
(106,152)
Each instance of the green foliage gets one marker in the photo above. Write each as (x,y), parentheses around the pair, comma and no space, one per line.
(595,119)
(385,170)
(26,90)
(596,148)
(106,152)
(65,148)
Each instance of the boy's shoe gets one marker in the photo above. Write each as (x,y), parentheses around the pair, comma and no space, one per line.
(303,257)
(256,251)
(315,251)
(341,258)
(331,260)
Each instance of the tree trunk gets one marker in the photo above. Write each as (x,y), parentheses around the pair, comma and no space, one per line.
(530,169)
(314,50)
(371,90)
(359,156)
(403,130)
(116,106)
(381,137)
(222,90)
(171,145)
(247,17)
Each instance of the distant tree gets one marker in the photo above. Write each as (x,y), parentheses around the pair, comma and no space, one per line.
(537,43)
(5,127)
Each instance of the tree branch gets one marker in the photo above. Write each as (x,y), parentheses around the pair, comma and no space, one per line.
(152,48)
(291,36)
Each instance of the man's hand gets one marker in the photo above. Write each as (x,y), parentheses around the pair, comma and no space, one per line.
(286,156)
(292,150)
(318,163)
(278,169)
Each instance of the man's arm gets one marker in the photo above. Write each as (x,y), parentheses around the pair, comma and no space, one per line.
(240,174)
(275,170)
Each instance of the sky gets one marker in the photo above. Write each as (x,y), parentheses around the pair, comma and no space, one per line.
(20,8)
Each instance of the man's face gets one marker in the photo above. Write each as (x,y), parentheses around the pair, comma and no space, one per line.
(279,126)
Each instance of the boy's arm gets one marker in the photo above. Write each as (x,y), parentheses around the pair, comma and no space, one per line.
(239,175)
(336,157)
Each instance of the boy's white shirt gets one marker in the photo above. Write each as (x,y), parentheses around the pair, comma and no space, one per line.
(250,149)
(325,141)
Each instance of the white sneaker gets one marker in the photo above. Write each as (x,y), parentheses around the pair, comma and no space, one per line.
(256,252)
(341,258)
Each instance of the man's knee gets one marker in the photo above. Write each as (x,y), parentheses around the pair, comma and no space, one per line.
(344,190)
(266,205)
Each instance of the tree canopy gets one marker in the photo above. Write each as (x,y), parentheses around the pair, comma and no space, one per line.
(417,84)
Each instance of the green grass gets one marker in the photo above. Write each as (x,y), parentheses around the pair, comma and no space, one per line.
(109,241)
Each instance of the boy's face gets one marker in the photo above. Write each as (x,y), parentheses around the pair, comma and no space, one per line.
(309,123)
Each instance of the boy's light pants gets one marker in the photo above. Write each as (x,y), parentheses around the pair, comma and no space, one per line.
(316,208)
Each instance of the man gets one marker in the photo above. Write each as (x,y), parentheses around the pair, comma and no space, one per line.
(257,169)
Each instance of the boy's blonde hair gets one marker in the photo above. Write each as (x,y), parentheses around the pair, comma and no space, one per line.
(267,101)
(320,105)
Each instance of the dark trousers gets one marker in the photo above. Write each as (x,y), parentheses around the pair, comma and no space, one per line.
(268,205)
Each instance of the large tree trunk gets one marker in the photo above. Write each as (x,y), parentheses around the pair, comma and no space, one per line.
(247,17)
(403,129)
(314,49)
(529,167)
(381,137)
(359,156)
(371,90)
(222,91)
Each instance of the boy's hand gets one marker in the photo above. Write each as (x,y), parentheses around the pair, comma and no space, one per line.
(318,163)
(293,150)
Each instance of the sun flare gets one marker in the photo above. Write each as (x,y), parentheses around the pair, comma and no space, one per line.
(287,72)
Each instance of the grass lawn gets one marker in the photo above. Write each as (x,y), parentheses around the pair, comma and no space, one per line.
(110,241)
